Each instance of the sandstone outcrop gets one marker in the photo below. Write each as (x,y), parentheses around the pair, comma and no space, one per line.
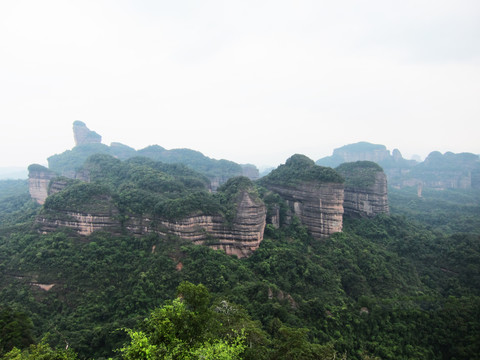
(81,223)
(313,193)
(240,237)
(318,206)
(366,191)
(38,182)
(83,135)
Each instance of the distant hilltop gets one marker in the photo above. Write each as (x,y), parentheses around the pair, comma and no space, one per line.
(437,171)
(365,151)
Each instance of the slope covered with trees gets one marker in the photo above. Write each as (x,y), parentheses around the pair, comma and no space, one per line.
(399,286)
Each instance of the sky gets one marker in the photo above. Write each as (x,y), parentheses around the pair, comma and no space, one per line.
(248,81)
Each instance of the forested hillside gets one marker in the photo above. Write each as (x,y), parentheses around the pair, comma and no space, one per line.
(398,286)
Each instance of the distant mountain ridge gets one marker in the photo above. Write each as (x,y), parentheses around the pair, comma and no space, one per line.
(437,171)
(88,142)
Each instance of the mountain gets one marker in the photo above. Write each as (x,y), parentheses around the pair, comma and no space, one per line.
(314,194)
(437,171)
(142,196)
(366,192)
(309,262)
(88,143)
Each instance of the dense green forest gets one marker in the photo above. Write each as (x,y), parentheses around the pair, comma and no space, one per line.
(403,286)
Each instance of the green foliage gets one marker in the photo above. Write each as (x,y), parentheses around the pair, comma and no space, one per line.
(196,203)
(79,197)
(300,168)
(16,205)
(448,211)
(404,286)
(38,168)
(15,329)
(41,351)
(359,174)
(194,160)
(71,160)
(184,328)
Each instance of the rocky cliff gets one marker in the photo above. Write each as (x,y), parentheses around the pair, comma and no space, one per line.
(313,193)
(318,206)
(38,182)
(240,237)
(366,191)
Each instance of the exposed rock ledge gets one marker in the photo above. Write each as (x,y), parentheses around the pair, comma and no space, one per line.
(319,206)
(240,238)
(368,201)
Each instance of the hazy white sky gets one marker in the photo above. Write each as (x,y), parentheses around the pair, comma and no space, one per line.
(249,81)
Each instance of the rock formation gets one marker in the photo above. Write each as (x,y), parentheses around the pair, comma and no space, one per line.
(83,135)
(88,143)
(38,182)
(313,193)
(318,206)
(241,237)
(445,171)
(394,165)
(365,189)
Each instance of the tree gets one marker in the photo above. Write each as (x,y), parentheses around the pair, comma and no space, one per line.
(184,328)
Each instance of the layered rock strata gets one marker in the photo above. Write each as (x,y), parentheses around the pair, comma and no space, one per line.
(81,223)
(241,237)
(319,206)
(367,201)
(366,191)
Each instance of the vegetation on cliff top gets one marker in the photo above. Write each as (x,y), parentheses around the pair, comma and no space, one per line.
(359,174)
(39,168)
(298,169)
(71,160)
(143,186)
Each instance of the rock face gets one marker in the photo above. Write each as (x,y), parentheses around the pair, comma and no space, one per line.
(81,223)
(318,206)
(241,237)
(366,191)
(83,135)
(313,193)
(38,182)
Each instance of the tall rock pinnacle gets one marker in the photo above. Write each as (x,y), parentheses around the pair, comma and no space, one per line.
(83,135)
